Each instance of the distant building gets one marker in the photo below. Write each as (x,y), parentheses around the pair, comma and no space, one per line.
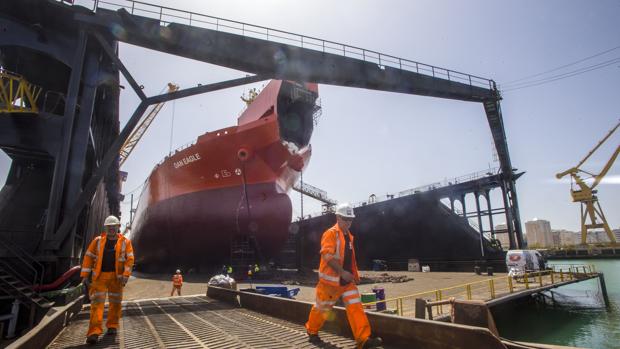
(597,237)
(538,233)
(555,236)
(567,237)
(617,234)
(501,234)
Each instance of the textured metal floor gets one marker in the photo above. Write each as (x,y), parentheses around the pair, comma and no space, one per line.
(195,322)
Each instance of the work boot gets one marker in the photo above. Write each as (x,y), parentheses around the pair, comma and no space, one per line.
(375,342)
(111,331)
(314,338)
(92,339)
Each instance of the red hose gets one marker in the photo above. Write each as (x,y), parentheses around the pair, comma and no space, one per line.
(59,282)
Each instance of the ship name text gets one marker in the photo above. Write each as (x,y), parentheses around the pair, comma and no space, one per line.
(187,160)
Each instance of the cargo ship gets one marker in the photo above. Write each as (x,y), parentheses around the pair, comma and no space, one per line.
(230,183)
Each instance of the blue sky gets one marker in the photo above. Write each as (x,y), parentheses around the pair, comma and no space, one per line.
(375,142)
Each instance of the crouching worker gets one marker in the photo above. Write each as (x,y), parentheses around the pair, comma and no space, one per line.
(338,275)
(177,283)
(105,270)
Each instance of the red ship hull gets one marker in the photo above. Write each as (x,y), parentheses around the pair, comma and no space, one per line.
(231,183)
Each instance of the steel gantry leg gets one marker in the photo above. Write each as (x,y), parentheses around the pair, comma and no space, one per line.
(481,231)
(508,212)
(489,212)
(62,157)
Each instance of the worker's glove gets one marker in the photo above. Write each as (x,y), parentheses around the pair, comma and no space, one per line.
(86,282)
(124,280)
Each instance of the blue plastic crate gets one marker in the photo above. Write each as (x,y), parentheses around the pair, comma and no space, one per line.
(280,291)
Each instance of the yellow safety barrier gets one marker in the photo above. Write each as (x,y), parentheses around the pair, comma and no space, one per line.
(17,95)
(487,289)
(527,281)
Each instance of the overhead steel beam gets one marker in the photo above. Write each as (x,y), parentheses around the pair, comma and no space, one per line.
(275,59)
(192,91)
(112,55)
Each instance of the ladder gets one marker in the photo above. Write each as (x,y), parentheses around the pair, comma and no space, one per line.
(242,253)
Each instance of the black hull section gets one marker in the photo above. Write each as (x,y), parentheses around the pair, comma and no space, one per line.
(196,230)
(413,227)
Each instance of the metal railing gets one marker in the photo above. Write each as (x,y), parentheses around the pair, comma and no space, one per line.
(28,270)
(433,186)
(168,15)
(487,289)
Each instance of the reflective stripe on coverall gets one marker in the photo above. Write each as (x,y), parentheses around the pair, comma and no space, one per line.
(109,283)
(328,289)
(332,247)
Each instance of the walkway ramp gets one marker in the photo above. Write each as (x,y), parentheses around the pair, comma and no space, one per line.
(194,322)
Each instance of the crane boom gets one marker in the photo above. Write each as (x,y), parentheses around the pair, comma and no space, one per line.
(585,194)
(140,130)
(599,177)
(598,145)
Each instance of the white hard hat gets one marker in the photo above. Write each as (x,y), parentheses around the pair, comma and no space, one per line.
(178,271)
(345,210)
(112,220)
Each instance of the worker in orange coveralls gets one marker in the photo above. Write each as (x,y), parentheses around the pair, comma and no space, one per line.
(108,261)
(177,283)
(338,275)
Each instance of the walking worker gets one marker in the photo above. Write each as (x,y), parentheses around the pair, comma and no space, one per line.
(229,270)
(338,275)
(177,283)
(108,262)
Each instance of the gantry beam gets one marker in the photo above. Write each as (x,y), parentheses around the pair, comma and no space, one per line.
(280,60)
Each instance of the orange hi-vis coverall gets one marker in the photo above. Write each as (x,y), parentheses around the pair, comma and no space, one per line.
(177,282)
(328,290)
(109,283)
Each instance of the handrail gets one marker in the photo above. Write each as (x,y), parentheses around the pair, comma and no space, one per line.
(13,272)
(437,185)
(167,15)
(13,248)
(493,287)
